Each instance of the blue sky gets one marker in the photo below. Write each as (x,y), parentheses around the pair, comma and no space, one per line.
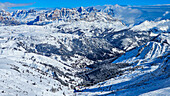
(85,3)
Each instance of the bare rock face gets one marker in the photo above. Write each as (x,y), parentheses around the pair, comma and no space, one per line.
(4,13)
(8,21)
(31,11)
(81,10)
(70,15)
(63,13)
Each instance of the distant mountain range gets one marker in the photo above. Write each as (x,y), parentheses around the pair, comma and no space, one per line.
(126,14)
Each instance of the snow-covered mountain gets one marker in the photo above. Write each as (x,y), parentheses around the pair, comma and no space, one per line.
(129,15)
(142,71)
(99,50)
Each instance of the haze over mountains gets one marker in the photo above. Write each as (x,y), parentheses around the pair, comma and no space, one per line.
(100,50)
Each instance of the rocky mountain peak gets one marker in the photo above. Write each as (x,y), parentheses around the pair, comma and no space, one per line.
(91,9)
(31,11)
(81,9)
(4,13)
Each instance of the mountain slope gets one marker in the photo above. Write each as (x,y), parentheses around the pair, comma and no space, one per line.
(148,71)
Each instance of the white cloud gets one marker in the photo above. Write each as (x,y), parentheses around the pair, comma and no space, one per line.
(8,5)
(127,14)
